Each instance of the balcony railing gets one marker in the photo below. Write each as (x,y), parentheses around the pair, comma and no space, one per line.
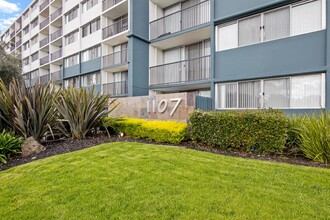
(12,47)
(181,71)
(56,34)
(57,54)
(56,14)
(19,42)
(44,5)
(44,41)
(44,23)
(56,76)
(106,4)
(181,20)
(44,60)
(115,28)
(19,28)
(115,58)
(116,88)
(44,79)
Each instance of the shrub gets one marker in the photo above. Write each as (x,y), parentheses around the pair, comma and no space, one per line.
(29,111)
(314,134)
(83,110)
(9,146)
(158,131)
(293,143)
(260,131)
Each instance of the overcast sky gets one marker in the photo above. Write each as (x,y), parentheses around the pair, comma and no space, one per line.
(9,10)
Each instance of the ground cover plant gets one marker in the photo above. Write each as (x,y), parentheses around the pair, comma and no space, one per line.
(139,181)
(9,145)
(159,131)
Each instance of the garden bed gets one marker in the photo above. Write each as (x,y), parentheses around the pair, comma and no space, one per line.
(69,145)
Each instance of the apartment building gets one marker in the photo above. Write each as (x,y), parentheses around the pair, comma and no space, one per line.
(82,43)
(241,54)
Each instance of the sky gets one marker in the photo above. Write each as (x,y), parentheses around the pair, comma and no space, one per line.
(10,10)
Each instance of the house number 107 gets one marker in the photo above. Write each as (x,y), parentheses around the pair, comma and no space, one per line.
(163,105)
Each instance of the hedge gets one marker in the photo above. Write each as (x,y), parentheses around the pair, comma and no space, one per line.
(258,131)
(158,131)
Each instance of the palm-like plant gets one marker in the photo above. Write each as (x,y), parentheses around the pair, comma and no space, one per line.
(83,110)
(30,111)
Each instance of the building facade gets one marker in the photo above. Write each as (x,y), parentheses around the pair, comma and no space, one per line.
(241,54)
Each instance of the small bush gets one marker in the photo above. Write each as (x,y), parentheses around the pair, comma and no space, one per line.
(9,146)
(158,131)
(314,134)
(293,143)
(82,110)
(259,131)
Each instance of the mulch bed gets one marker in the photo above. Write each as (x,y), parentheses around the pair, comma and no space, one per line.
(69,145)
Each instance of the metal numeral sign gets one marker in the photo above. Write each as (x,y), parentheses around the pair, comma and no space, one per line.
(162,106)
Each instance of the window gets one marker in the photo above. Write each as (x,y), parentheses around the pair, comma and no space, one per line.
(299,18)
(34,74)
(71,61)
(91,27)
(26,61)
(306,91)
(34,6)
(26,30)
(86,5)
(71,14)
(34,23)
(72,37)
(26,46)
(34,40)
(91,53)
(91,79)
(25,14)
(73,82)
(34,56)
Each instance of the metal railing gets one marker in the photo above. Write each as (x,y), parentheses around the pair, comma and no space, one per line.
(116,88)
(44,79)
(116,58)
(56,76)
(44,41)
(56,34)
(181,71)
(19,42)
(115,28)
(56,14)
(44,60)
(106,4)
(19,28)
(44,5)
(181,20)
(57,54)
(44,23)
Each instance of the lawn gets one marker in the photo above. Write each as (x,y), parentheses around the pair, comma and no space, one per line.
(140,181)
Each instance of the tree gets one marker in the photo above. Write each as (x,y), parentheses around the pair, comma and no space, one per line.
(10,66)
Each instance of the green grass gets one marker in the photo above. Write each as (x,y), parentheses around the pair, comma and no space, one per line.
(140,181)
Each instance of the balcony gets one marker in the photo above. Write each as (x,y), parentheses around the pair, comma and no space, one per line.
(44,41)
(44,5)
(44,23)
(56,34)
(106,4)
(56,55)
(181,71)
(56,76)
(115,88)
(19,42)
(115,28)
(12,47)
(44,79)
(44,60)
(12,34)
(116,58)
(181,20)
(19,28)
(56,14)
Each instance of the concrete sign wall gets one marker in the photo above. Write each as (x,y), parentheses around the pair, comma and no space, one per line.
(175,107)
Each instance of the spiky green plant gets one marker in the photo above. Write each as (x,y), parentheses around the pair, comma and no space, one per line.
(29,111)
(83,110)
(315,137)
(9,145)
